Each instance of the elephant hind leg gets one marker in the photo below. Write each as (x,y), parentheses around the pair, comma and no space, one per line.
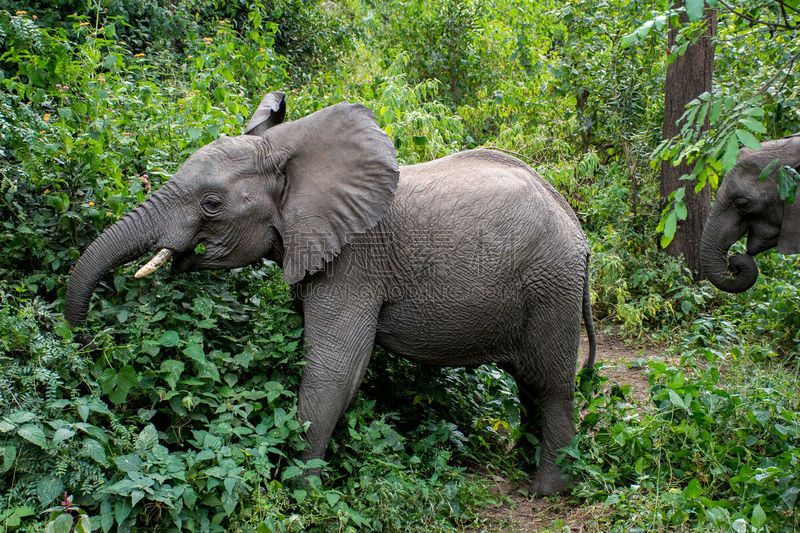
(548,415)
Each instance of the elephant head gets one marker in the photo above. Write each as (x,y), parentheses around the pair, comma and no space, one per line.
(293,192)
(746,205)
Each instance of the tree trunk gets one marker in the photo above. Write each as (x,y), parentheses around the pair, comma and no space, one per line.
(687,77)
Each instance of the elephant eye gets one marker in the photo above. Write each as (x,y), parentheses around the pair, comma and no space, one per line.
(741,204)
(211,205)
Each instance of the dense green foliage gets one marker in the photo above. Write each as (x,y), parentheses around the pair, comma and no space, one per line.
(174,408)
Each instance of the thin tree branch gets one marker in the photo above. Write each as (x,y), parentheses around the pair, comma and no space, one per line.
(787,65)
(771,25)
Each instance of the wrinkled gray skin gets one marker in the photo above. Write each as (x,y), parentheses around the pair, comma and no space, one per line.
(747,206)
(465,260)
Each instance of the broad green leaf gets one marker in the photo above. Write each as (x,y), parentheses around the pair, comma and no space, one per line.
(172,370)
(420,140)
(95,450)
(128,463)
(787,184)
(759,517)
(61,524)
(290,472)
(62,434)
(731,153)
(106,516)
(48,489)
(195,351)
(680,210)
(169,338)
(754,125)
(739,525)
(748,140)
(694,8)
(767,172)
(34,434)
(692,490)
(754,112)
(669,228)
(789,496)
(9,455)
(147,438)
(136,497)
(84,524)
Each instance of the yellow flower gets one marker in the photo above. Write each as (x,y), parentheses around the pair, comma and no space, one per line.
(46,191)
(91,204)
(21,13)
(108,213)
(138,55)
(47,117)
(83,24)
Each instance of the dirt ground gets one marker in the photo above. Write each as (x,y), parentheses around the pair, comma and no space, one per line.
(622,365)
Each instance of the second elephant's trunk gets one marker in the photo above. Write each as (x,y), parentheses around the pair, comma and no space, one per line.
(735,274)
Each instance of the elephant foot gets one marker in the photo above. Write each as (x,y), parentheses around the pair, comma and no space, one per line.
(548,484)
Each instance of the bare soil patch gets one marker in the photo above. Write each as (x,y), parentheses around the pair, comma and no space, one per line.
(622,365)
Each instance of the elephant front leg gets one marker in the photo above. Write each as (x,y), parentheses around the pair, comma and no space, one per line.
(340,341)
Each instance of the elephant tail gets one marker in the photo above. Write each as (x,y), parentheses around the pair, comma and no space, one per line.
(588,321)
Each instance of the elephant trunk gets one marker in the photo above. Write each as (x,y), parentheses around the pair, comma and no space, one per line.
(735,274)
(130,237)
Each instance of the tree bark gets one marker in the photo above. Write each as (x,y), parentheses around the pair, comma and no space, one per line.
(687,77)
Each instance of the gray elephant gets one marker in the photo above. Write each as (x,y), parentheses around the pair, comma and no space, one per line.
(469,259)
(747,205)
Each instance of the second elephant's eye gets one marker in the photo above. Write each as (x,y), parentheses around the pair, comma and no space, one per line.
(211,205)
(741,204)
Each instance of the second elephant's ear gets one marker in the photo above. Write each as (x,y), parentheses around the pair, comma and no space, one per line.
(341,175)
(270,112)
(789,238)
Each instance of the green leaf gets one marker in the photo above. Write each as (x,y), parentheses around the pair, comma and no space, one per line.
(62,434)
(34,434)
(128,463)
(106,516)
(748,140)
(195,351)
(48,489)
(136,497)
(731,153)
(169,338)
(759,517)
(680,210)
(420,140)
(290,472)
(670,225)
(694,8)
(787,184)
(789,496)
(675,399)
(147,438)
(9,455)
(692,490)
(61,524)
(754,125)
(94,450)
(84,524)
(173,369)
(768,169)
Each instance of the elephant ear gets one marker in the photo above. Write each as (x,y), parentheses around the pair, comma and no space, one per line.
(789,238)
(341,174)
(270,112)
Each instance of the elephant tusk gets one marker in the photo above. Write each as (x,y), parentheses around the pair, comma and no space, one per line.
(155,263)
